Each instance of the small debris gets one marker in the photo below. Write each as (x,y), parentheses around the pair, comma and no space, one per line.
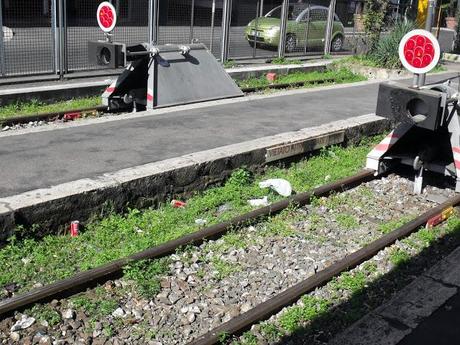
(23,323)
(177,203)
(271,77)
(14,336)
(200,221)
(119,312)
(223,208)
(6,128)
(259,202)
(279,185)
(68,314)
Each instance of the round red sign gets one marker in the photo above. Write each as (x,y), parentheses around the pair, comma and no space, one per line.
(419,51)
(106,16)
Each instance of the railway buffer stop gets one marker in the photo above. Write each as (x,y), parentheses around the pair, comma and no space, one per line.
(157,75)
(427,132)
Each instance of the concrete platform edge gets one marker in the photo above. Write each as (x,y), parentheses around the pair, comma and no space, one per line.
(51,209)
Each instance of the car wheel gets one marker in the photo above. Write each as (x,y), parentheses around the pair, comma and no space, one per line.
(291,43)
(337,43)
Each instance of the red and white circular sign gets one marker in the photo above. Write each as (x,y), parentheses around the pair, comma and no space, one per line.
(106,16)
(419,51)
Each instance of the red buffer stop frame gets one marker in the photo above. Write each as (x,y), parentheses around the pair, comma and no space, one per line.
(419,51)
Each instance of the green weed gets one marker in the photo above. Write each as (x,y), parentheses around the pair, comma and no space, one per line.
(146,275)
(399,256)
(36,107)
(346,221)
(44,313)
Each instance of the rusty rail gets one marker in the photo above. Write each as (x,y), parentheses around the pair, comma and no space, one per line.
(85,278)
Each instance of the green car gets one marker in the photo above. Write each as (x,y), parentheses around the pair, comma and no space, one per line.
(306,26)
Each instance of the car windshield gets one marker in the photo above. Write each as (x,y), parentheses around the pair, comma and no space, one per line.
(294,11)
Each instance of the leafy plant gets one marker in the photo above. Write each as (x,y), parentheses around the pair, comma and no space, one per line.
(385,54)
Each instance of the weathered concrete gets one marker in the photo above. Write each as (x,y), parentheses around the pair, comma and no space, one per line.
(409,308)
(420,299)
(149,184)
(372,329)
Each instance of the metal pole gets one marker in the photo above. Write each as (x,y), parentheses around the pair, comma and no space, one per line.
(330,22)
(54,32)
(283,28)
(192,17)
(213,14)
(307,27)
(254,51)
(226,17)
(62,38)
(428,26)
(261,12)
(153,21)
(150,24)
(2,47)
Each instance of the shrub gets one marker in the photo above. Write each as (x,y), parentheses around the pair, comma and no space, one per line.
(385,53)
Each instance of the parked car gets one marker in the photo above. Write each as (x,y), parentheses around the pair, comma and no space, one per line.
(306,25)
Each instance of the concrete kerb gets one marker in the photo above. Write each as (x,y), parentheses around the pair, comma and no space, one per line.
(391,322)
(51,209)
(57,91)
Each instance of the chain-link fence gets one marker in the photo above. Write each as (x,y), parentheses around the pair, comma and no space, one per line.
(27,42)
(50,36)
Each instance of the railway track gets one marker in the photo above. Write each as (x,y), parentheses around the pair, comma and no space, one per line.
(95,111)
(267,308)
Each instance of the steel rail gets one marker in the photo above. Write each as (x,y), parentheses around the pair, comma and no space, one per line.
(85,278)
(46,116)
(289,296)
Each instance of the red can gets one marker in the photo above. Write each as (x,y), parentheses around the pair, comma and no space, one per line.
(74,228)
(177,203)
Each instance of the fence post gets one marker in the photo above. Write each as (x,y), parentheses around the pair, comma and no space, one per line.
(2,46)
(330,23)
(192,20)
(213,14)
(226,18)
(153,21)
(54,32)
(283,26)
(62,14)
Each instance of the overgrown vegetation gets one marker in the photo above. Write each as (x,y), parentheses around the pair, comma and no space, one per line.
(338,76)
(385,53)
(374,15)
(36,107)
(29,261)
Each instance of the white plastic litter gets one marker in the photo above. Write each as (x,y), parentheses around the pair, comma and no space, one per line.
(200,221)
(259,202)
(279,185)
(24,323)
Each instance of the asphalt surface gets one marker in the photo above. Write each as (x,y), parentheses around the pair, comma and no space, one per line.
(47,158)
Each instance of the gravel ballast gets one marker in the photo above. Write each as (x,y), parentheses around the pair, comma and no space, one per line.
(210,284)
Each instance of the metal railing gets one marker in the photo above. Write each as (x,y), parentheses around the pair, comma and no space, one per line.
(50,36)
